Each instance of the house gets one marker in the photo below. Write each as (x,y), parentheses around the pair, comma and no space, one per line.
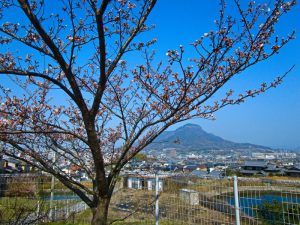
(2,164)
(202,167)
(171,167)
(146,181)
(254,165)
(274,170)
(206,174)
(262,168)
(10,165)
(157,166)
(26,168)
(75,171)
(199,173)
(253,168)
(189,168)
(215,174)
(293,171)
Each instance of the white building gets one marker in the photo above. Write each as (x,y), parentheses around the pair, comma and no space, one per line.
(145,181)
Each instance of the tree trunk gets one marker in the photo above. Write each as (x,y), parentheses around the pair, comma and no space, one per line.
(100,213)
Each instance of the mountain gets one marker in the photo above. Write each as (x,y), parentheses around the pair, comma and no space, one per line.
(192,137)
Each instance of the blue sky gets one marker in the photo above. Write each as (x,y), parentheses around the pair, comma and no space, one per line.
(271,119)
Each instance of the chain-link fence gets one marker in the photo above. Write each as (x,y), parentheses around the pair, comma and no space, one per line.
(32,199)
(157,199)
(231,200)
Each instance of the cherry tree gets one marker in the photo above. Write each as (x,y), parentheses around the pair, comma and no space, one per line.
(74,95)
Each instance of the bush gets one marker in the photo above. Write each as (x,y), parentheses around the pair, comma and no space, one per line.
(275,213)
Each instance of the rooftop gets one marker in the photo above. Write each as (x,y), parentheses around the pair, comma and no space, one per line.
(256,163)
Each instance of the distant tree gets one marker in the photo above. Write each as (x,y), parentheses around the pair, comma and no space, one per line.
(231,172)
(140,157)
(75,95)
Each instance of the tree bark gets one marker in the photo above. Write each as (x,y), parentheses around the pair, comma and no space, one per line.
(100,212)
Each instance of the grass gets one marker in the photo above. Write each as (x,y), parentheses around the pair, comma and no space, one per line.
(116,223)
(12,208)
(65,223)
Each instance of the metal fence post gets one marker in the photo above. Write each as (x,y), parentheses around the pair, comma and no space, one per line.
(236,200)
(156,200)
(68,208)
(55,213)
(52,191)
(38,209)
